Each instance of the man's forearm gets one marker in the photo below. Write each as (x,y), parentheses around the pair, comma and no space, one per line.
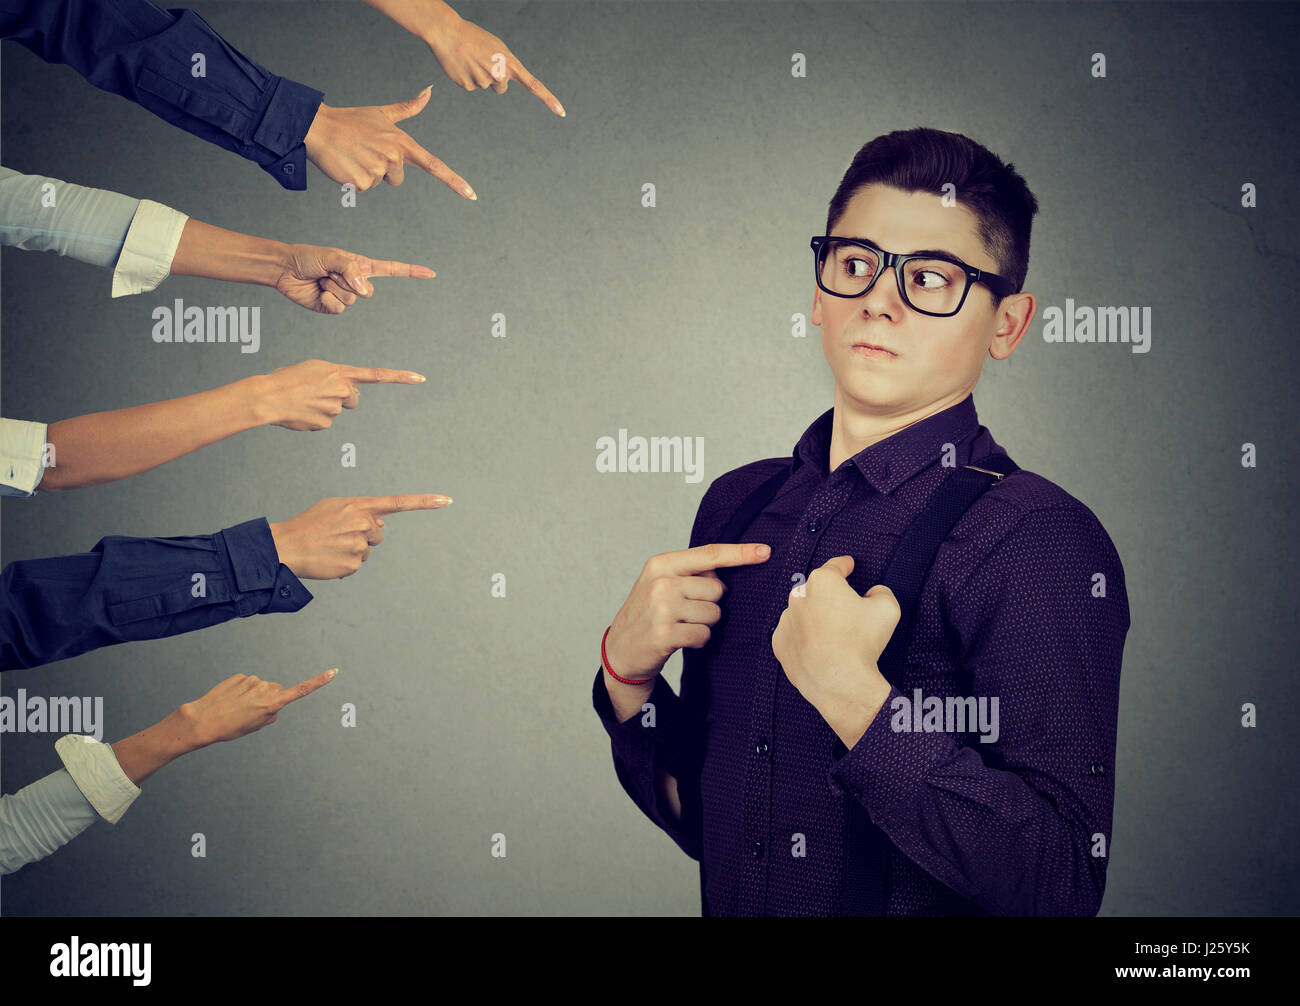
(216,253)
(143,754)
(106,446)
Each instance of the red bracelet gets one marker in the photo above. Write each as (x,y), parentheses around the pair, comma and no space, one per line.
(605,660)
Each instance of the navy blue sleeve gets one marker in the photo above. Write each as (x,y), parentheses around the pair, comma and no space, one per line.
(140,588)
(147,55)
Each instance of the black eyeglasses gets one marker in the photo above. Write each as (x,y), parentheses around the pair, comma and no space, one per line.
(936,285)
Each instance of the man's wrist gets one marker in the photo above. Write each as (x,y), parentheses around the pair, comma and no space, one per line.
(278,539)
(626,700)
(319,124)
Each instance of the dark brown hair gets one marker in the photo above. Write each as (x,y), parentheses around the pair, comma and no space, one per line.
(924,160)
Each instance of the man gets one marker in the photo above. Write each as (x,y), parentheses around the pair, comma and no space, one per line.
(785,724)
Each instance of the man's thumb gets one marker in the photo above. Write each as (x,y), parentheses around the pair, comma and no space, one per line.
(842,564)
(885,597)
(412,106)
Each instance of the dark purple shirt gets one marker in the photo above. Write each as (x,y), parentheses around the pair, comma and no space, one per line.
(1025,602)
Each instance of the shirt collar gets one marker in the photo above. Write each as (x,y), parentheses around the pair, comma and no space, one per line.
(889,463)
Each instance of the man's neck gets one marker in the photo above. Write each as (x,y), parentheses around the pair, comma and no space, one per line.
(853,430)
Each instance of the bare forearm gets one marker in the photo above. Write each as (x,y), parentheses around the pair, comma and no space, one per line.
(143,754)
(419,17)
(216,253)
(106,446)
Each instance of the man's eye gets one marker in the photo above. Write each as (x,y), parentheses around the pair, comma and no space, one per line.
(938,280)
(857,267)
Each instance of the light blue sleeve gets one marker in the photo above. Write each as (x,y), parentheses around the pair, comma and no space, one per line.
(41,818)
(22,456)
(45,214)
(137,238)
(51,812)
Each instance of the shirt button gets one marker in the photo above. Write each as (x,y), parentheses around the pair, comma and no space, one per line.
(814,526)
(761,747)
(288,169)
(284,591)
(757,850)
(1097,769)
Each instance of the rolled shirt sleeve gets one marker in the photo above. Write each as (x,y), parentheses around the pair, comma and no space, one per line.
(22,456)
(136,237)
(1020,825)
(150,246)
(140,588)
(175,65)
(95,769)
(47,814)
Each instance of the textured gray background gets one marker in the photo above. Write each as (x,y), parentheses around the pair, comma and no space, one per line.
(475,712)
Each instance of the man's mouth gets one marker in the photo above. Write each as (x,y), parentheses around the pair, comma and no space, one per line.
(870,349)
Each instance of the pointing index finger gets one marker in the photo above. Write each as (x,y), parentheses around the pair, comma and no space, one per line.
(307,687)
(706,557)
(406,270)
(382,375)
(421,158)
(521,74)
(398,504)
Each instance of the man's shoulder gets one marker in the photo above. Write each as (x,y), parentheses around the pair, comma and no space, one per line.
(729,490)
(1027,505)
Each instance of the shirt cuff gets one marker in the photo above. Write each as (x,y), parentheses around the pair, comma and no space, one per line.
(283,129)
(887,766)
(95,770)
(634,737)
(149,248)
(22,456)
(257,566)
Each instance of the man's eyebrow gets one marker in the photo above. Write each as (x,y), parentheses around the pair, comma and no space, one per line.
(943,252)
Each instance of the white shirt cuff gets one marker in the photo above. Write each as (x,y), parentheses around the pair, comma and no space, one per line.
(22,456)
(149,248)
(100,778)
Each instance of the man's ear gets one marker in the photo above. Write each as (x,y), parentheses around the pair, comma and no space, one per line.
(817,306)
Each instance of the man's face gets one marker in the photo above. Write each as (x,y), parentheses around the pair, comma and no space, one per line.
(936,359)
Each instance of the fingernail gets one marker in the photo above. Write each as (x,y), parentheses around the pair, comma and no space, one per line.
(468,191)
(419,378)
(333,672)
(444,500)
(763,551)
(380,521)
(563,113)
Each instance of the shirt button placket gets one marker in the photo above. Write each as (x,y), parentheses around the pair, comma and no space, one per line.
(758,787)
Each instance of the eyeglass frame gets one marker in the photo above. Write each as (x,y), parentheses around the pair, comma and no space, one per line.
(1000,285)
